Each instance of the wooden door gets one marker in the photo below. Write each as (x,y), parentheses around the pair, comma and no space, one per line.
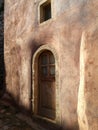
(46,72)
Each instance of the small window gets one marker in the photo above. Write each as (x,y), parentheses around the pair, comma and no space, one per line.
(45,11)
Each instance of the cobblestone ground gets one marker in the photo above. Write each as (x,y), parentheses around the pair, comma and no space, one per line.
(12,119)
(9,120)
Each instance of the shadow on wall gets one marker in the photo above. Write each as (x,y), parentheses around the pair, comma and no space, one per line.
(41,122)
(2,66)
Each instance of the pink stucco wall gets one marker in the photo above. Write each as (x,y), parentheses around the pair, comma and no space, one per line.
(24,35)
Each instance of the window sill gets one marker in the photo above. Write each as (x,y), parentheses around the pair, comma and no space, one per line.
(45,22)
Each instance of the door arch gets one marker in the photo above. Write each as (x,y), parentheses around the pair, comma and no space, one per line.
(35,82)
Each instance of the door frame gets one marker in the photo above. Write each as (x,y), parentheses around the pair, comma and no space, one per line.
(35,81)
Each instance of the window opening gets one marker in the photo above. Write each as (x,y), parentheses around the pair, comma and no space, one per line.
(45,11)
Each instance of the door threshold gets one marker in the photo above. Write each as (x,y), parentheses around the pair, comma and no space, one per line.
(45,119)
(47,123)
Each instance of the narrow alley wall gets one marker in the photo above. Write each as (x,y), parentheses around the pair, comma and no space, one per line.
(88,88)
(2,72)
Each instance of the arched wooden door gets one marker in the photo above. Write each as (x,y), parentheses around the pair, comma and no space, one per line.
(46,85)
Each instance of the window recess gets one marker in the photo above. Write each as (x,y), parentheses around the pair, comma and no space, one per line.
(45,11)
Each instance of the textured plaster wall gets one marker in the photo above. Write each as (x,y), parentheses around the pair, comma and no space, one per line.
(24,35)
(88,89)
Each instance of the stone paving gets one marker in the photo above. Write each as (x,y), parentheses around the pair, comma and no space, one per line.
(9,119)
(13,119)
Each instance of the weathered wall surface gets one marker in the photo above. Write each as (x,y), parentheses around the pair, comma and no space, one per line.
(88,89)
(24,35)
